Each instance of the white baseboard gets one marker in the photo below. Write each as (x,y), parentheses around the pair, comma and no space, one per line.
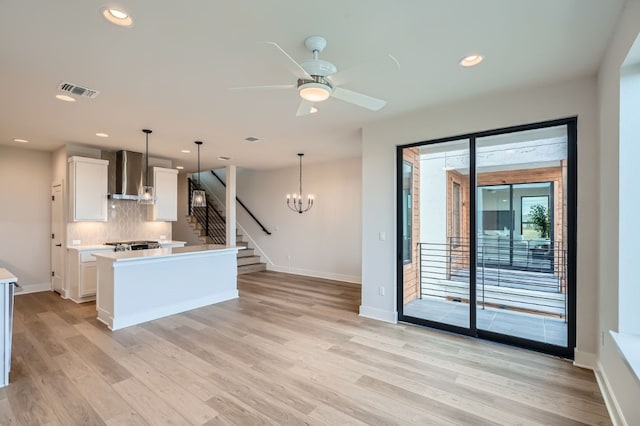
(584,359)
(33,288)
(316,274)
(617,418)
(378,314)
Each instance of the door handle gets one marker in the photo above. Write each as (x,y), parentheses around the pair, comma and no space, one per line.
(59,245)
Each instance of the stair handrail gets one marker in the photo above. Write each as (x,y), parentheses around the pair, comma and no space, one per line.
(243,206)
(217,237)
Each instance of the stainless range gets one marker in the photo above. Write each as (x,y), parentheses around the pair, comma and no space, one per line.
(134,245)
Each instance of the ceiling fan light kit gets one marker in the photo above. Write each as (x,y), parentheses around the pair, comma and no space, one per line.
(314,92)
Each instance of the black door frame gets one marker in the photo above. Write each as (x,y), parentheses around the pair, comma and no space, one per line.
(572,186)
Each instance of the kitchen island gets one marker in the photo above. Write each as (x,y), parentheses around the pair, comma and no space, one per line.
(143,285)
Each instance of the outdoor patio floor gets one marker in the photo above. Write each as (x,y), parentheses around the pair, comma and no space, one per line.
(529,326)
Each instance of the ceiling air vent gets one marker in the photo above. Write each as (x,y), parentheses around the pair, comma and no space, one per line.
(74,89)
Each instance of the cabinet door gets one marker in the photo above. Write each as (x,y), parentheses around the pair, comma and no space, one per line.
(88,279)
(166,187)
(88,185)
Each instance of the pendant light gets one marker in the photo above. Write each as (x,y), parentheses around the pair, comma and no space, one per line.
(295,202)
(145,193)
(198,197)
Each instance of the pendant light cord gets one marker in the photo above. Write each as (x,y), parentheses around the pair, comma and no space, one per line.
(198,143)
(146,175)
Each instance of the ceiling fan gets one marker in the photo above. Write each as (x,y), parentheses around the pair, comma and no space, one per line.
(319,79)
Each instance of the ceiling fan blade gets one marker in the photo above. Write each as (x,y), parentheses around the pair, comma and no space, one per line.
(365,101)
(295,68)
(386,64)
(304,108)
(268,87)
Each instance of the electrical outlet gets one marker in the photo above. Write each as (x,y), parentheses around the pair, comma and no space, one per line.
(163,237)
(381,291)
(382,236)
(76,242)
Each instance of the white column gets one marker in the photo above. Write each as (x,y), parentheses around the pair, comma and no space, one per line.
(231,206)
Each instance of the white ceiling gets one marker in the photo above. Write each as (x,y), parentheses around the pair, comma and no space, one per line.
(172,70)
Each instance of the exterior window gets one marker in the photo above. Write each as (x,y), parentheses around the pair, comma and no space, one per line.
(407,217)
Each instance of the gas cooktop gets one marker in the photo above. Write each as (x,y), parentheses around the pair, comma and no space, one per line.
(134,245)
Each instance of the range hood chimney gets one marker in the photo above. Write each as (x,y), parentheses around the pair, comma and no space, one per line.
(125,174)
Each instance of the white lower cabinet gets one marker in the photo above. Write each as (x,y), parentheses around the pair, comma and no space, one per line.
(83,277)
(88,279)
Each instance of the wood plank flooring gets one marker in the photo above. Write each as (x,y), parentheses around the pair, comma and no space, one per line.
(290,351)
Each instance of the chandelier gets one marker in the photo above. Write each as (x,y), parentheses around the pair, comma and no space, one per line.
(294,202)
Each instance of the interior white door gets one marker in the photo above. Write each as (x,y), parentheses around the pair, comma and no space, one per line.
(57,230)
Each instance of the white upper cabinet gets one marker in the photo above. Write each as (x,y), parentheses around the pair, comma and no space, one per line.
(88,189)
(165,182)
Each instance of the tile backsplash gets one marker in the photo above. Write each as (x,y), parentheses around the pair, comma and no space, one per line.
(126,221)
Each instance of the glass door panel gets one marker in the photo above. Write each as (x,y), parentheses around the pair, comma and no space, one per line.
(521,181)
(435,219)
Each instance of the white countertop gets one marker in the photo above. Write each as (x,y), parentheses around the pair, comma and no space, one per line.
(90,247)
(171,242)
(7,277)
(121,256)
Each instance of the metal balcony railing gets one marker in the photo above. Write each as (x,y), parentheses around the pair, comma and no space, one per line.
(525,275)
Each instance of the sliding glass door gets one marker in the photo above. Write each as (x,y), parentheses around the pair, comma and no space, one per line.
(487,223)
(439,227)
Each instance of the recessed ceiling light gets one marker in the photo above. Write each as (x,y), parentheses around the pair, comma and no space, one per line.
(185,151)
(117,16)
(66,98)
(224,158)
(102,135)
(252,139)
(471,60)
(20,140)
(179,167)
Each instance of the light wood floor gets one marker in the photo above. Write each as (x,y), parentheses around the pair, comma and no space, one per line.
(290,350)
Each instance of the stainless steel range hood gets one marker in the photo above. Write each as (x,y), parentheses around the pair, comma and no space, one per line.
(125,174)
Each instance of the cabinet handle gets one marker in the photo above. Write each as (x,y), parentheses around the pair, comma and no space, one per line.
(59,245)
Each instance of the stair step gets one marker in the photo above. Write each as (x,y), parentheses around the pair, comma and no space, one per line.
(248,260)
(255,267)
(245,252)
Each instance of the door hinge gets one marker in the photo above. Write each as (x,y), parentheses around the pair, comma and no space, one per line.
(53,236)
(53,198)
(53,273)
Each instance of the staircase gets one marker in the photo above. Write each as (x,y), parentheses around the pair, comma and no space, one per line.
(248,261)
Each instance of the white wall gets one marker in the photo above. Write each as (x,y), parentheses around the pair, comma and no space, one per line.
(323,242)
(623,390)
(433,199)
(25,215)
(567,99)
